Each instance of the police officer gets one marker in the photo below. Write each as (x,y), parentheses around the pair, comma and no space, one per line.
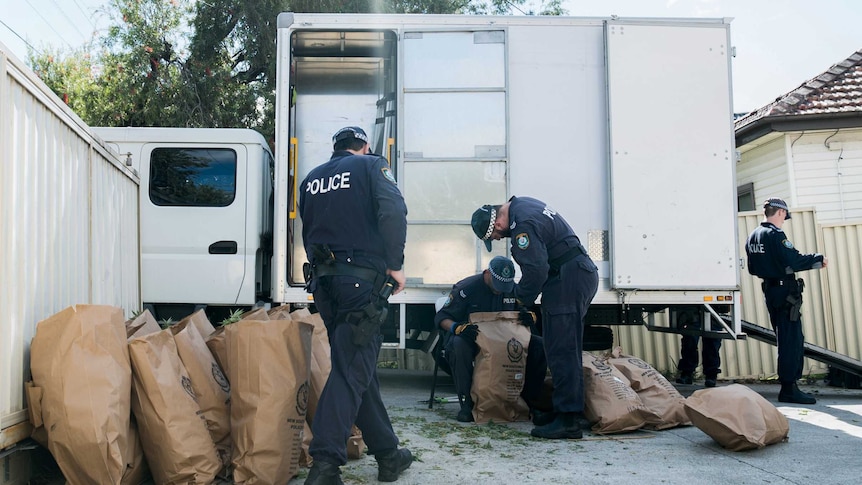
(354,225)
(554,263)
(488,291)
(772,257)
(689,359)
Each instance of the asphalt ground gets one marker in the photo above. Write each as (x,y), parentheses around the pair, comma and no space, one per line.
(823,447)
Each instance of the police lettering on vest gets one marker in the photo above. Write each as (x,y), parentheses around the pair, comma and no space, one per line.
(324,185)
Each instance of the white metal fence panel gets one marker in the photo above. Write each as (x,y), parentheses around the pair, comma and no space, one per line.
(68,222)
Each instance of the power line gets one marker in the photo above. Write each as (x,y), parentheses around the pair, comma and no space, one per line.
(86,16)
(19,36)
(49,24)
(69,19)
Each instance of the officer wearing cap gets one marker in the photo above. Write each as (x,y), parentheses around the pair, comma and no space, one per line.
(554,263)
(354,226)
(488,291)
(772,257)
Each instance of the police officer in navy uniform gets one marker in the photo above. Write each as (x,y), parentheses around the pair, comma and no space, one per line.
(772,257)
(554,263)
(688,361)
(354,225)
(489,291)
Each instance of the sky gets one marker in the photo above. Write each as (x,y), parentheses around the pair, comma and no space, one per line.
(779,44)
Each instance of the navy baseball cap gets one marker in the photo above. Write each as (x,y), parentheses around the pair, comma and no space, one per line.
(349,132)
(502,274)
(778,204)
(483,223)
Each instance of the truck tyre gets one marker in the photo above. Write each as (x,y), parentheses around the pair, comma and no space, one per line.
(598,338)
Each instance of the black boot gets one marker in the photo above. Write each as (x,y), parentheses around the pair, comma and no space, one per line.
(790,393)
(323,473)
(465,415)
(541,418)
(582,421)
(710,381)
(685,378)
(564,426)
(391,464)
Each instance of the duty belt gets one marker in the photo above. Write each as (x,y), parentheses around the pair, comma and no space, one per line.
(570,254)
(770,282)
(337,268)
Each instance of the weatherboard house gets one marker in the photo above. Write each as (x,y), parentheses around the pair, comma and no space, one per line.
(806,146)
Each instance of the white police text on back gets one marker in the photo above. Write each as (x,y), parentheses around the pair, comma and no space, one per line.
(324,185)
(755,248)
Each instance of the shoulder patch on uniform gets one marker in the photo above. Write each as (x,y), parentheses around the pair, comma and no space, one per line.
(787,244)
(522,240)
(387,174)
(448,300)
(463,295)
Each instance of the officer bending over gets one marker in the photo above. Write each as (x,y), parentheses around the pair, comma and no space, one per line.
(772,257)
(354,225)
(489,291)
(554,263)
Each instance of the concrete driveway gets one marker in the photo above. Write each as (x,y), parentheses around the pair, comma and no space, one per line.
(823,447)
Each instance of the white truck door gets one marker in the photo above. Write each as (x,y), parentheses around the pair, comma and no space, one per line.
(672,174)
(454,148)
(193,223)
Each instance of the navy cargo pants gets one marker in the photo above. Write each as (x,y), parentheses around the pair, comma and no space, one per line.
(352,393)
(566,297)
(711,356)
(788,334)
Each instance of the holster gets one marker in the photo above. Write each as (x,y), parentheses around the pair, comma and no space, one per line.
(367,322)
(794,300)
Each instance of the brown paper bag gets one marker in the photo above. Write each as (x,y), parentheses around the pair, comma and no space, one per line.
(256,314)
(174,434)
(209,383)
(610,402)
(736,417)
(218,347)
(321,357)
(201,322)
(82,379)
(498,371)
(281,313)
(355,444)
(144,324)
(268,366)
(654,390)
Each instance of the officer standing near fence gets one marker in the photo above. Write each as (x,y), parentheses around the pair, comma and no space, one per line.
(772,257)
(554,263)
(354,229)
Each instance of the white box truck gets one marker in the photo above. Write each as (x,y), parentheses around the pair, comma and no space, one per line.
(624,126)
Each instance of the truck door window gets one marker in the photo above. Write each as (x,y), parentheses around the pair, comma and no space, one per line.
(198,177)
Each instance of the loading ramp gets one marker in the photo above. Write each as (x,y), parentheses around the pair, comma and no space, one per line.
(820,354)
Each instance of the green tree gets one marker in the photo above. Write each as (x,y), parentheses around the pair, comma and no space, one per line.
(206,64)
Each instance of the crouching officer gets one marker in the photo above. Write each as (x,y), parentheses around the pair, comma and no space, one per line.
(772,257)
(354,226)
(489,291)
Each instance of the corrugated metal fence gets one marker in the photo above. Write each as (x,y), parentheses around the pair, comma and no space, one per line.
(831,311)
(68,222)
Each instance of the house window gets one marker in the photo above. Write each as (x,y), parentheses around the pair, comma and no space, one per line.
(745,197)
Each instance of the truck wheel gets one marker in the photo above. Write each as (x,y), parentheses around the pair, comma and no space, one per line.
(598,338)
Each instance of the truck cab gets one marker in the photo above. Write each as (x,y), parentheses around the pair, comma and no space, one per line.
(206,212)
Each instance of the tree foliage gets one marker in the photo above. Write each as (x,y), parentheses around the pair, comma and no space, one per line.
(206,64)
